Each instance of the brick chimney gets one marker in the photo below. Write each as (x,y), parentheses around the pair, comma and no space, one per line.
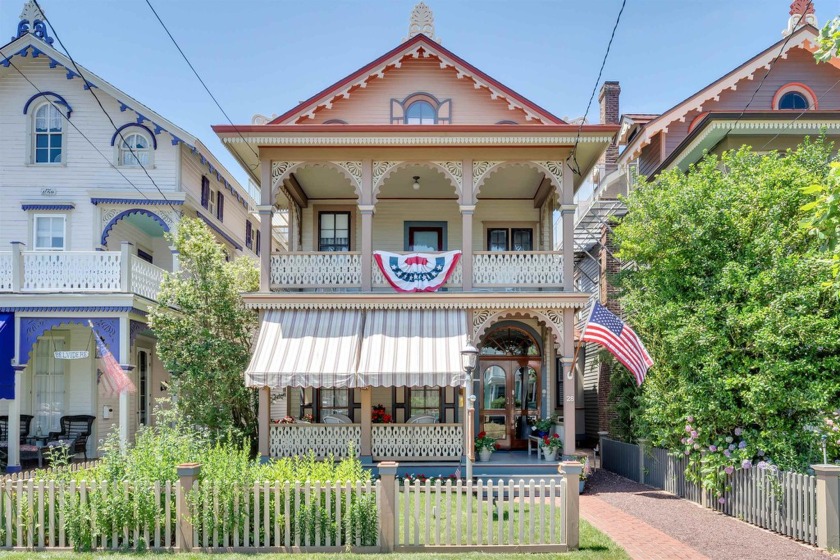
(608,99)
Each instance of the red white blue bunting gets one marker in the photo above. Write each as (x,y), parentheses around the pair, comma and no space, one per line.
(417,272)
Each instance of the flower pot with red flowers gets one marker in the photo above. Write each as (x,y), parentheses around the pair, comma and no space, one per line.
(378,415)
(551,446)
(485,446)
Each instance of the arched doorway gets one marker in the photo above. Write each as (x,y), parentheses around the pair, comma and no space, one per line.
(510,384)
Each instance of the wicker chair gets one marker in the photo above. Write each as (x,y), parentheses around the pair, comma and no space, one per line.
(25,425)
(76,428)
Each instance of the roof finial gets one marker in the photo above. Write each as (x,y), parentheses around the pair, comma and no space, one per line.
(33,21)
(801,13)
(422,21)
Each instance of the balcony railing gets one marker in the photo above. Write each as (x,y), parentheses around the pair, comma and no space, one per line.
(503,271)
(38,272)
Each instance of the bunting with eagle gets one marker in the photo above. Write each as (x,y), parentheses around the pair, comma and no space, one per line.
(417,272)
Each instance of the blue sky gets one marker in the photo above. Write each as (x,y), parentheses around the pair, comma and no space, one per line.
(263,56)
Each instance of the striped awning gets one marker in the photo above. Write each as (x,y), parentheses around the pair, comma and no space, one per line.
(412,348)
(306,348)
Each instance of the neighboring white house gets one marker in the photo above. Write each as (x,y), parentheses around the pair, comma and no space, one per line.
(82,233)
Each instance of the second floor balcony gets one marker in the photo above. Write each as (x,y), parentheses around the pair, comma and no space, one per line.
(79,272)
(490,271)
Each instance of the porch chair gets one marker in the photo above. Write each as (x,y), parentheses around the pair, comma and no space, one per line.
(77,429)
(337,418)
(25,426)
(422,419)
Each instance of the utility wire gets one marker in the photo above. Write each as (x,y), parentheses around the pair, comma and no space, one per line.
(207,89)
(98,102)
(71,123)
(573,155)
(801,113)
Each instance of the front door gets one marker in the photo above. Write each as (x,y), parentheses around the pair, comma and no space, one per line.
(509,395)
(143,386)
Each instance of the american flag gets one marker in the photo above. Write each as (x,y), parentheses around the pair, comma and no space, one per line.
(114,378)
(609,331)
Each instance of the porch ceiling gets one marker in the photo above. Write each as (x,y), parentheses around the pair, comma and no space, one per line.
(324,182)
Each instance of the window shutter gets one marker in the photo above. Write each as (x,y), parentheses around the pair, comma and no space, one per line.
(257,249)
(220,206)
(205,192)
(248,234)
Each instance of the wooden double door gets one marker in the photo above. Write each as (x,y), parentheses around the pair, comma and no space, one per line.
(509,393)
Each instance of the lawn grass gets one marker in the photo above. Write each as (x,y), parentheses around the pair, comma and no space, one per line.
(594,545)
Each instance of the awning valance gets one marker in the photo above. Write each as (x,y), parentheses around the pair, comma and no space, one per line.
(306,348)
(412,348)
(355,348)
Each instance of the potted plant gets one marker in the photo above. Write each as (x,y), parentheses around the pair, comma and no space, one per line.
(485,446)
(378,415)
(551,445)
(584,474)
(543,427)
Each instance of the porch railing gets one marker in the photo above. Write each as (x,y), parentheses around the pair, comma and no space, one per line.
(288,440)
(39,272)
(417,442)
(518,269)
(316,270)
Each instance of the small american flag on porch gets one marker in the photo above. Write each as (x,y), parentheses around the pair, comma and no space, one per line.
(618,338)
(113,376)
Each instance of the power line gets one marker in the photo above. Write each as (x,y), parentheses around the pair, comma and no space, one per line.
(801,113)
(573,155)
(98,102)
(71,123)
(207,89)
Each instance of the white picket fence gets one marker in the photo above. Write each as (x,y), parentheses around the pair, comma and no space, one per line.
(779,501)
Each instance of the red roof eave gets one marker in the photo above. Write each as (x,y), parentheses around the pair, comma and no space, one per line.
(419,38)
(520,129)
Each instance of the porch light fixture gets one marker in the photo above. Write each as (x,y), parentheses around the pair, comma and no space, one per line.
(416,185)
(469,356)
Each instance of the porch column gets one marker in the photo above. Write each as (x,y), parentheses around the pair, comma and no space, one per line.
(266,212)
(567,212)
(13,449)
(17,266)
(176,263)
(264,425)
(568,381)
(126,252)
(125,358)
(367,246)
(367,423)
(467,246)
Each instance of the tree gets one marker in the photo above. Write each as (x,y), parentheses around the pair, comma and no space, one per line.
(727,295)
(204,333)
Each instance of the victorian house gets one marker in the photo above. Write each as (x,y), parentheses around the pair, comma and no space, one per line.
(770,102)
(88,194)
(421,197)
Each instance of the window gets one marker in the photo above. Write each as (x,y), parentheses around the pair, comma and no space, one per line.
(795,96)
(335,401)
(257,248)
(145,255)
(334,231)
(793,100)
(49,233)
(139,144)
(248,235)
(48,386)
(211,202)
(220,206)
(205,192)
(420,112)
(143,387)
(510,239)
(424,402)
(48,137)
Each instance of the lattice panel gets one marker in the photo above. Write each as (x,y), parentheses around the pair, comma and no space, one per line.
(82,271)
(145,278)
(417,441)
(516,269)
(5,272)
(455,281)
(316,270)
(289,440)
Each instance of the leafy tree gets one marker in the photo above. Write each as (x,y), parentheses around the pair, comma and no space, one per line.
(204,333)
(727,296)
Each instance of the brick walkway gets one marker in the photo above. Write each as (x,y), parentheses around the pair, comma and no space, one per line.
(637,538)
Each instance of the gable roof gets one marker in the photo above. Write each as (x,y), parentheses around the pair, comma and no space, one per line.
(804,37)
(28,45)
(417,46)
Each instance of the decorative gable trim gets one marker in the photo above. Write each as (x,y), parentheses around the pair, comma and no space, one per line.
(416,47)
(56,206)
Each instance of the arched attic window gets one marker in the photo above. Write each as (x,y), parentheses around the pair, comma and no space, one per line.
(796,97)
(420,112)
(135,145)
(48,113)
(421,108)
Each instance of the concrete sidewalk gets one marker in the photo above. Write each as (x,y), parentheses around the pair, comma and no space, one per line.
(652,524)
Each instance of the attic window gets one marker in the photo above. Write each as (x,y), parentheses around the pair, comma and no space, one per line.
(796,97)
(421,108)
(420,112)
